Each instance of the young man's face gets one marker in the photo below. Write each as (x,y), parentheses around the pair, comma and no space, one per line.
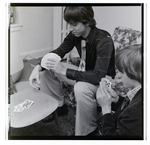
(79,29)
(127,82)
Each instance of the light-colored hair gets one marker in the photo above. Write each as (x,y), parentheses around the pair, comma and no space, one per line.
(129,60)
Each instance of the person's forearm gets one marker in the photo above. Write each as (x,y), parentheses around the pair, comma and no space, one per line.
(63,72)
(99,71)
(108,125)
(87,76)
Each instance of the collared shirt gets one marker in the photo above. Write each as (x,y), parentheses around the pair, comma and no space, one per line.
(132,92)
(100,56)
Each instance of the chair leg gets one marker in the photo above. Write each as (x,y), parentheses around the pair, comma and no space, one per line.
(58,122)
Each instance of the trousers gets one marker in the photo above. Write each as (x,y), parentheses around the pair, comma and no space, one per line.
(85,94)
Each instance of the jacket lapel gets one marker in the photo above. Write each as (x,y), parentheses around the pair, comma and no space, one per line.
(135,99)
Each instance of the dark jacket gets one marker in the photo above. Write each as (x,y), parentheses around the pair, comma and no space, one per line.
(100,56)
(125,123)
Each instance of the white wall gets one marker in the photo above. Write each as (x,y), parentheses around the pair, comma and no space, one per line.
(36,36)
(108,18)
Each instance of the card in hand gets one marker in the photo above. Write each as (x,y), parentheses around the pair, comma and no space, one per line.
(53,56)
(107,82)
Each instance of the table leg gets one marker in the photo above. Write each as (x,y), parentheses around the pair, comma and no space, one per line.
(58,122)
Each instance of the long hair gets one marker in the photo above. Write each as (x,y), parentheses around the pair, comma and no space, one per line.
(83,14)
(129,60)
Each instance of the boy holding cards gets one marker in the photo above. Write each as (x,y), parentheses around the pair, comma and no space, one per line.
(127,119)
(96,49)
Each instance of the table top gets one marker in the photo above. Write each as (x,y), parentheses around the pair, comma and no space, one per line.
(43,106)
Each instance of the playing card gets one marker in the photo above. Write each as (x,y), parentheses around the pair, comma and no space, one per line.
(19,108)
(54,56)
(27,104)
(106,82)
(24,105)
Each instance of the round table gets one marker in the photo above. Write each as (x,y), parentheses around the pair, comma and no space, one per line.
(43,106)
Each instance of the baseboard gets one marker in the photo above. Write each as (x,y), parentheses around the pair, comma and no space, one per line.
(35,53)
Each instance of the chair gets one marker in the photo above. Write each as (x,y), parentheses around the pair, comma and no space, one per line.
(122,37)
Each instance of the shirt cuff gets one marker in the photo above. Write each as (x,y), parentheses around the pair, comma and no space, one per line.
(42,68)
(71,74)
(106,119)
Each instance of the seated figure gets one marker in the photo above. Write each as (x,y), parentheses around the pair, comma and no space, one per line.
(122,37)
(127,116)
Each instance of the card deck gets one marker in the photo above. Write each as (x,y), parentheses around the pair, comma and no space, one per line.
(54,56)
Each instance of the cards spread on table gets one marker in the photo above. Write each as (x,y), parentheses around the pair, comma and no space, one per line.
(107,82)
(24,105)
(53,56)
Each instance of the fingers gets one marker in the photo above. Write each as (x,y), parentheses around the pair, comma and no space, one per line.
(104,91)
(51,67)
(110,93)
(34,78)
(32,84)
(51,63)
(103,97)
(35,84)
(100,92)
(99,88)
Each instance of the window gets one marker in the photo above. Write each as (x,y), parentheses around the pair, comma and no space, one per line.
(61,28)
(13,18)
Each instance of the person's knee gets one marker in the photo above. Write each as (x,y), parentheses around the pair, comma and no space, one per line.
(79,90)
(78,87)
(45,77)
(84,91)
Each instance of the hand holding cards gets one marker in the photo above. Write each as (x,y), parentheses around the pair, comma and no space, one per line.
(110,90)
(24,105)
(50,61)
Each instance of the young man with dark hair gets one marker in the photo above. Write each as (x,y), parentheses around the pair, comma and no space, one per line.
(97,53)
